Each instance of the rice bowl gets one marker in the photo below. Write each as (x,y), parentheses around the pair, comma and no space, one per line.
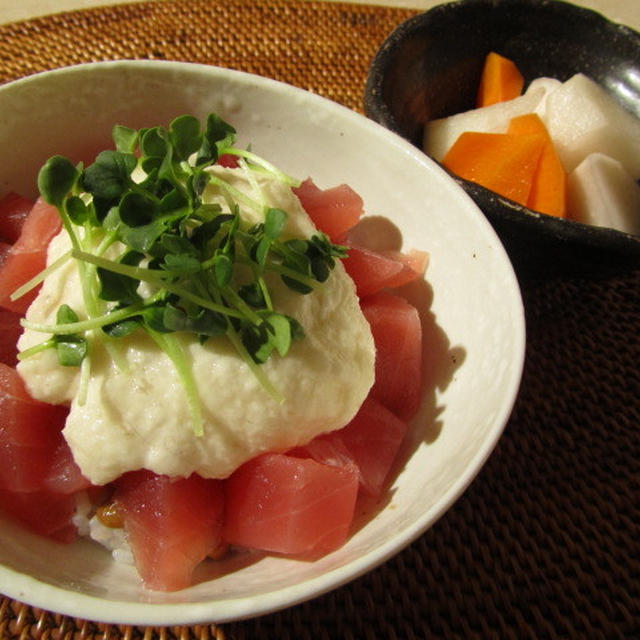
(472,312)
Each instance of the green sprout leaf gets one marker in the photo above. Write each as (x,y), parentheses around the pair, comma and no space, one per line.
(124,138)
(154,143)
(137,209)
(71,349)
(79,213)
(218,134)
(110,175)
(123,328)
(223,269)
(56,179)
(274,223)
(185,136)
(116,287)
(281,332)
(181,264)
(205,322)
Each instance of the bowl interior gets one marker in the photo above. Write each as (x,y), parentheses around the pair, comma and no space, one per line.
(472,320)
(430,67)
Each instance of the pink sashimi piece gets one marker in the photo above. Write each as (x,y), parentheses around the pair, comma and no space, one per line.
(289,505)
(374,437)
(63,474)
(334,211)
(30,441)
(371,442)
(10,331)
(397,334)
(171,524)
(28,256)
(40,226)
(23,420)
(328,449)
(415,260)
(42,512)
(13,211)
(23,469)
(31,438)
(5,248)
(373,271)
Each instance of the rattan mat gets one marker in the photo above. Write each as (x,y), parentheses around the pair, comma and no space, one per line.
(546,542)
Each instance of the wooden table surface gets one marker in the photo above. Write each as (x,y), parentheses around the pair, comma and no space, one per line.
(624,11)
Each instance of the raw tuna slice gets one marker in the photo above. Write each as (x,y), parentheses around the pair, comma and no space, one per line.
(171,524)
(30,435)
(5,248)
(29,432)
(23,469)
(397,334)
(373,271)
(23,420)
(10,331)
(35,486)
(371,442)
(28,255)
(327,449)
(334,211)
(289,505)
(42,512)
(13,211)
(63,474)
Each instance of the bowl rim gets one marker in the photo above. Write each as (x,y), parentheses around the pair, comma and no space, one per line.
(45,595)
(572,234)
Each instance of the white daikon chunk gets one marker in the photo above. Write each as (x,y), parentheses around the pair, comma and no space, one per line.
(602,193)
(548,85)
(583,119)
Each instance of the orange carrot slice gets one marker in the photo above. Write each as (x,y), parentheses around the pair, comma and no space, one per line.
(549,188)
(503,162)
(501,80)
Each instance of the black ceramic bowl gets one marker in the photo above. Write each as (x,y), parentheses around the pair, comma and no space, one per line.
(430,66)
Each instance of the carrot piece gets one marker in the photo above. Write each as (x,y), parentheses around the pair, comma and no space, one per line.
(549,188)
(501,80)
(503,162)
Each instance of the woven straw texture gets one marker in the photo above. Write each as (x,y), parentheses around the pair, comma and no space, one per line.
(546,542)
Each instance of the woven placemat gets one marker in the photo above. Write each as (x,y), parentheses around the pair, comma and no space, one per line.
(546,542)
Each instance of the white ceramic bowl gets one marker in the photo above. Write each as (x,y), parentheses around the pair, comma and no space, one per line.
(473,320)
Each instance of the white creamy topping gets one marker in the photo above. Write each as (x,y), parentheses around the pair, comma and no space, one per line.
(139,417)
